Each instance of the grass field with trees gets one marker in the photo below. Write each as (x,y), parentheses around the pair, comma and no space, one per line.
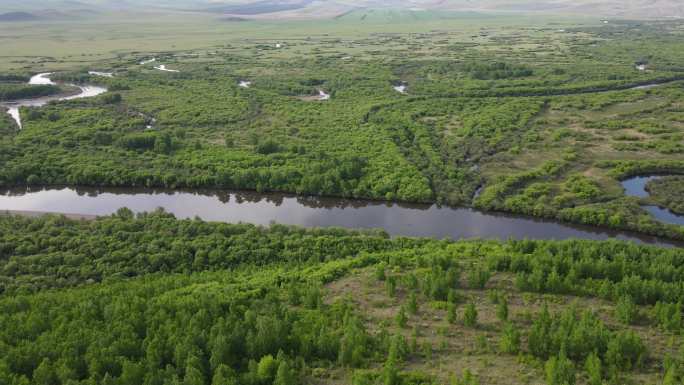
(547,119)
(151,299)
(539,116)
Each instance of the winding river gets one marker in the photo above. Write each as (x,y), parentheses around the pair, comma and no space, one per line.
(264,208)
(13,107)
(636,187)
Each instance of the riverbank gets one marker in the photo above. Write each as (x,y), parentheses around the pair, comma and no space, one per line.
(397,219)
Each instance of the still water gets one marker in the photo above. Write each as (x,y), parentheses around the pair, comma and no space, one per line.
(264,208)
(636,187)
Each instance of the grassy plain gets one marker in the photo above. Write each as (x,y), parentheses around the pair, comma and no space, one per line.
(542,113)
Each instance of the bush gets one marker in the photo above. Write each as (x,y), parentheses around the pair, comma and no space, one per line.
(268,147)
(111,98)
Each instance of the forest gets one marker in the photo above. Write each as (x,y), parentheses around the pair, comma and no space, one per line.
(150,299)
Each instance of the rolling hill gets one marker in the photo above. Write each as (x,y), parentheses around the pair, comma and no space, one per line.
(283,9)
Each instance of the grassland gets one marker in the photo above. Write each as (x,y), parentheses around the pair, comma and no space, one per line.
(544,115)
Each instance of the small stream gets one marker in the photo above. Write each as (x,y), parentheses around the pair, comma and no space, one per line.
(636,187)
(103,74)
(13,107)
(322,95)
(162,67)
(401,87)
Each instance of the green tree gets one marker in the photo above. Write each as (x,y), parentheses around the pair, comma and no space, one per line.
(671,377)
(451,313)
(163,143)
(132,373)
(267,367)
(592,366)
(539,338)
(391,285)
(413,304)
(470,315)
(285,375)
(395,355)
(502,309)
(354,343)
(467,378)
(478,278)
(626,310)
(193,376)
(510,339)
(560,370)
(401,317)
(224,375)
(390,374)
(380,272)
(45,374)
(625,351)
(427,351)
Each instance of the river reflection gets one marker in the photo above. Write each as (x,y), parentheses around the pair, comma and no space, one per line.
(264,208)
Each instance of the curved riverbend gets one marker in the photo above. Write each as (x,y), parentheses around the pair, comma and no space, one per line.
(86,91)
(322,95)
(162,67)
(636,187)
(397,219)
(401,87)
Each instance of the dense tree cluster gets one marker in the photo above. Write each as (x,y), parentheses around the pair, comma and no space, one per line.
(16,91)
(496,71)
(609,270)
(54,252)
(151,299)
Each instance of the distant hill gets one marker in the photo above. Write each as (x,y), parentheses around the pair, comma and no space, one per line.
(260,7)
(277,9)
(284,9)
(17,16)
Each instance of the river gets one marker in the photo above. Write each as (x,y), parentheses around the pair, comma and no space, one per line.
(264,208)
(13,107)
(226,206)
